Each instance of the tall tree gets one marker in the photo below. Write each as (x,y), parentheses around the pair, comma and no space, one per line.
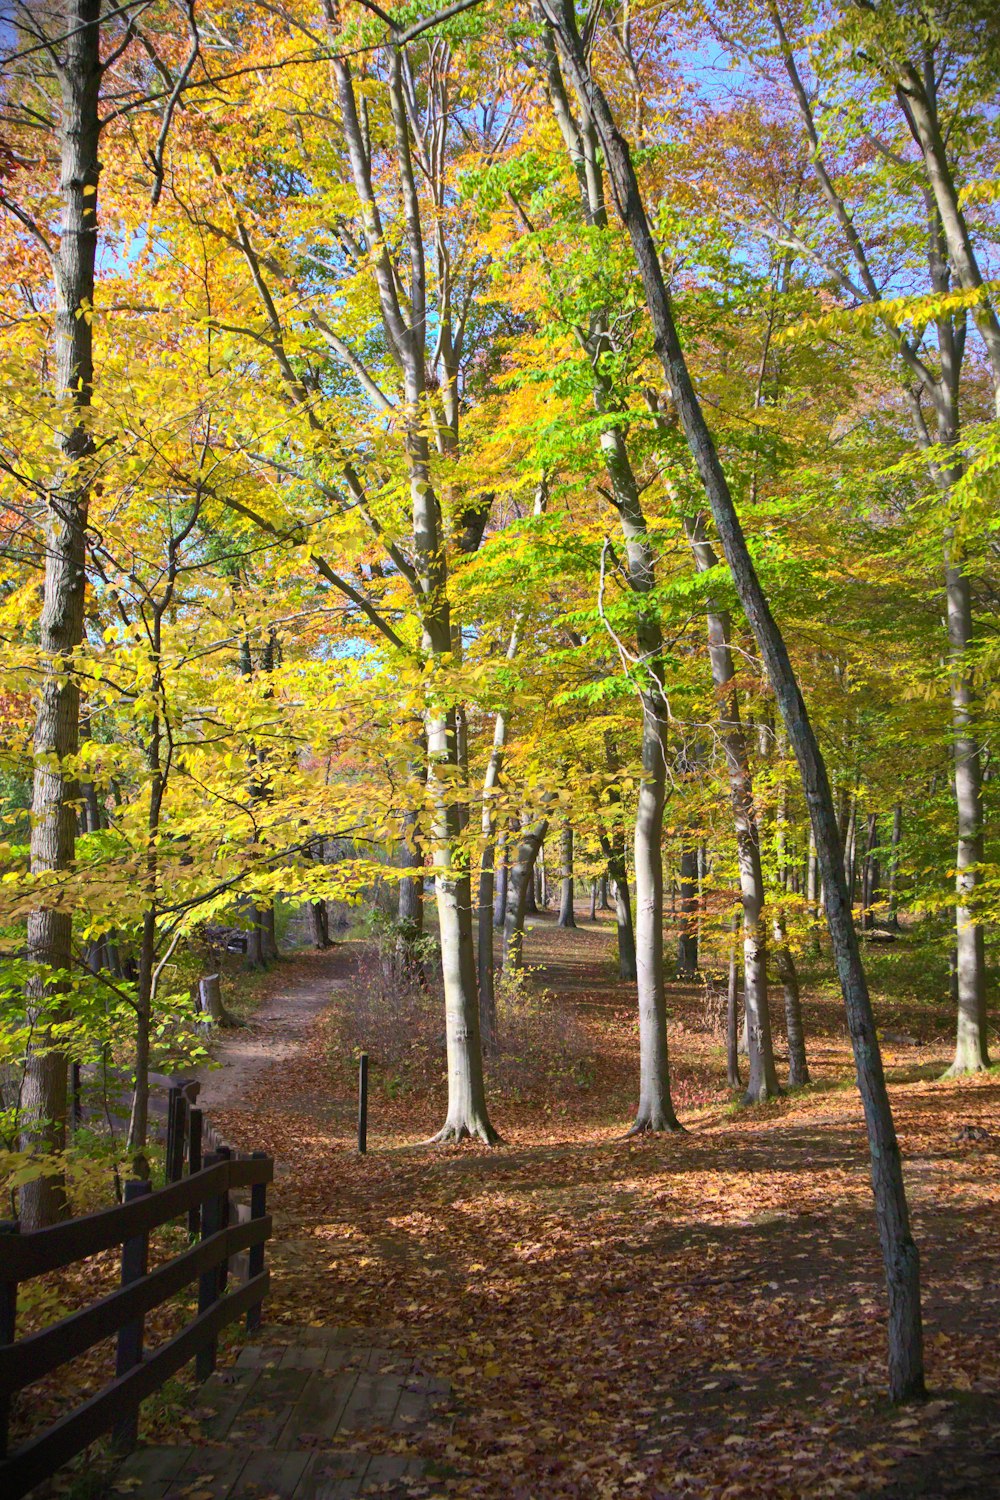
(900,1256)
(74,50)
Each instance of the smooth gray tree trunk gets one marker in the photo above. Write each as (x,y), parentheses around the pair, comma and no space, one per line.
(57,709)
(733,1079)
(971,1053)
(763,1080)
(517,889)
(502,858)
(655,1110)
(405,321)
(566,882)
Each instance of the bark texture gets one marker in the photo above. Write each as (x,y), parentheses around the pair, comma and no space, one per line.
(57,712)
(567,887)
(521,872)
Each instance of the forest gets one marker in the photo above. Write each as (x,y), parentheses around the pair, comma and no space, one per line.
(500,574)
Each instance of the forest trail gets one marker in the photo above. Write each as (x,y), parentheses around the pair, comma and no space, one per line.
(692,1315)
(277,1030)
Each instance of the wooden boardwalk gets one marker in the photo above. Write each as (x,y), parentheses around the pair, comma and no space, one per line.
(304,1414)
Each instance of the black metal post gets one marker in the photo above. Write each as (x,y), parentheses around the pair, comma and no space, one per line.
(135,1264)
(363,1103)
(194,1164)
(255,1260)
(8,1319)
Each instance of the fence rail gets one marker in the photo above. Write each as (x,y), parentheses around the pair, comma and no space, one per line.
(203,1199)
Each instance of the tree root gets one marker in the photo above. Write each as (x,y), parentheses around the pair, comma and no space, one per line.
(764,1096)
(451,1133)
(654,1124)
(964,1070)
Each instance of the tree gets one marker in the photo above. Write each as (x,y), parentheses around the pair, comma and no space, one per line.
(900,1257)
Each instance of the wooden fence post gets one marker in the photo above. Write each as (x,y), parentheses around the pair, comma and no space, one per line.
(168,1154)
(135,1264)
(194,1163)
(255,1260)
(178,1140)
(210,1284)
(8,1320)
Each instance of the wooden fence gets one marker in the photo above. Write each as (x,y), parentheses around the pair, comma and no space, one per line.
(202,1198)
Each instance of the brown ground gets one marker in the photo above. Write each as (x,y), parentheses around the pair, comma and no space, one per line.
(697,1314)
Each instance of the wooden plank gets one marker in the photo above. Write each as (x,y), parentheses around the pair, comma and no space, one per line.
(265,1413)
(43,1250)
(274,1473)
(316,1416)
(220,1401)
(334,1476)
(214,1473)
(373,1401)
(147,1468)
(33,1357)
(42,1457)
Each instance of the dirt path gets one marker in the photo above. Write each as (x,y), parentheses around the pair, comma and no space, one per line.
(696,1315)
(277,1032)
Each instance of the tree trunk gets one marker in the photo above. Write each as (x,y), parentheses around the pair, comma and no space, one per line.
(627,963)
(405,325)
(254,958)
(268,936)
(531,892)
(603,903)
(656,1110)
(687,938)
(502,879)
(869,875)
(319,924)
(57,712)
(566,884)
(798,1067)
(763,1081)
(210,1000)
(971,1053)
(892,892)
(593,900)
(899,1252)
(733,1079)
(410,906)
(517,889)
(487,879)
(467,1113)
(812,890)
(850,847)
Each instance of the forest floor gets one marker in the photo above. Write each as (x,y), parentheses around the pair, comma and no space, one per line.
(697,1314)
